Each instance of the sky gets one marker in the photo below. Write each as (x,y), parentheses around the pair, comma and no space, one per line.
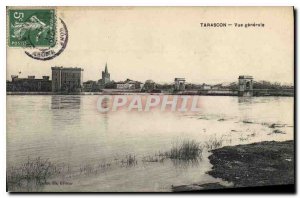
(161,43)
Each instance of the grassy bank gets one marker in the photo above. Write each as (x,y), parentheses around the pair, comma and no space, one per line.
(257,164)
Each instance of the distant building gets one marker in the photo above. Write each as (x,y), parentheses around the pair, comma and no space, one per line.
(129,84)
(205,86)
(67,79)
(105,75)
(179,84)
(105,78)
(90,86)
(29,84)
(245,86)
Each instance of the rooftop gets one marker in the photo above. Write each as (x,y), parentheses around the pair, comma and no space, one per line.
(179,79)
(66,68)
(245,77)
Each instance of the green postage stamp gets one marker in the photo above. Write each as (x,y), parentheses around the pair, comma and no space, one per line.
(31,27)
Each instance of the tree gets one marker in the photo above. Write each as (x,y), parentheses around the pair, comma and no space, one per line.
(149,86)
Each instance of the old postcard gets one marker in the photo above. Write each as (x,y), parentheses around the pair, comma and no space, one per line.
(149,99)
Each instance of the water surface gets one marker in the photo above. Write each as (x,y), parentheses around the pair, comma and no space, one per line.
(70,130)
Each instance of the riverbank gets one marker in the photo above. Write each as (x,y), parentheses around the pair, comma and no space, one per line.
(256,164)
(145,93)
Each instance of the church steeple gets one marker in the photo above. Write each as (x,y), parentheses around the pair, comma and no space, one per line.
(106,70)
(105,75)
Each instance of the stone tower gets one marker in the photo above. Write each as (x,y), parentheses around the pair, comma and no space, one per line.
(245,86)
(179,84)
(105,75)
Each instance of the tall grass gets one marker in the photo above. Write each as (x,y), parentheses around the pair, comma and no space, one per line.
(213,143)
(33,173)
(185,150)
(156,158)
(130,160)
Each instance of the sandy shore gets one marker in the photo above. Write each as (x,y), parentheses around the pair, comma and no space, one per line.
(257,164)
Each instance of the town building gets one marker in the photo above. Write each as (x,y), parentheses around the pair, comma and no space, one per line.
(67,79)
(90,86)
(205,87)
(179,84)
(29,84)
(128,84)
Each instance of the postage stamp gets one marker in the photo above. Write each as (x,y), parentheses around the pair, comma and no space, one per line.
(38,31)
(32,28)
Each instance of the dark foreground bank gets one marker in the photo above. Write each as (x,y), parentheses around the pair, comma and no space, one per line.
(257,164)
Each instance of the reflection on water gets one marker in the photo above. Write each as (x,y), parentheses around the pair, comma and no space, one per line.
(66,109)
(245,100)
(69,130)
(65,102)
(185,164)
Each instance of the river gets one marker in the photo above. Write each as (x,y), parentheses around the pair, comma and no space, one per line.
(70,130)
